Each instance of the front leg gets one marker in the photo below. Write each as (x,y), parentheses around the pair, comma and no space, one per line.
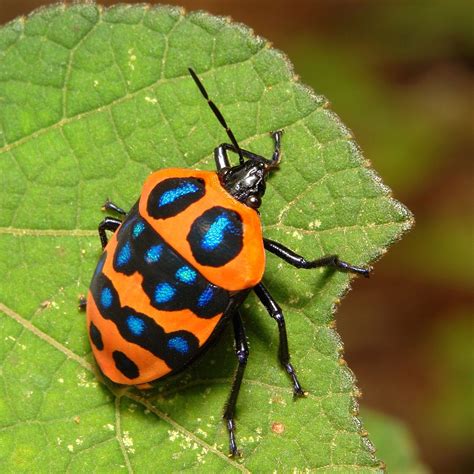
(111,206)
(222,160)
(111,224)
(300,262)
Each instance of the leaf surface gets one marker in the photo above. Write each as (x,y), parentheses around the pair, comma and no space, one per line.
(91,101)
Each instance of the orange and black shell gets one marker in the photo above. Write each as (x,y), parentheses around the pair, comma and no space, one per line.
(176,268)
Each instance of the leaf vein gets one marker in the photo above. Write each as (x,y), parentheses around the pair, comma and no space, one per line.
(119,436)
(45,337)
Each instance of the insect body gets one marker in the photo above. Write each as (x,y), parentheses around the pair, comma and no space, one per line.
(180,264)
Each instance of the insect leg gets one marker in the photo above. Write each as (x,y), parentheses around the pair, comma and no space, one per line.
(220,156)
(276,313)
(109,223)
(110,206)
(277,151)
(82,304)
(300,262)
(242,353)
(222,160)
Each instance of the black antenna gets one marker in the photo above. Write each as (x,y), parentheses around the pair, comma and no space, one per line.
(218,114)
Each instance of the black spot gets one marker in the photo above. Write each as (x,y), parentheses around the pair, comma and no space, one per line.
(125,365)
(96,336)
(174,195)
(216,237)
(105,295)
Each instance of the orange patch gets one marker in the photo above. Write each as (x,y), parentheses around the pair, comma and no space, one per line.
(150,366)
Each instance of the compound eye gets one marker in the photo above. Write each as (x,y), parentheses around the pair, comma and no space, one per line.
(253,201)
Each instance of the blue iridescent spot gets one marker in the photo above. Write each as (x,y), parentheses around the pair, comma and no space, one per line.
(205,297)
(138,228)
(164,292)
(215,234)
(136,325)
(173,194)
(153,254)
(124,255)
(186,274)
(179,344)
(106,297)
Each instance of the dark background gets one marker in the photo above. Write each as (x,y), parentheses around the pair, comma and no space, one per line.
(399,73)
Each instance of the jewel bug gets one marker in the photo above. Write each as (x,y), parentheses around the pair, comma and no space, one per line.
(179,265)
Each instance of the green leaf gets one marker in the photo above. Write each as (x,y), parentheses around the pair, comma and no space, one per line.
(91,101)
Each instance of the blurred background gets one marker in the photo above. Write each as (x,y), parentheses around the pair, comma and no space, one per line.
(400,75)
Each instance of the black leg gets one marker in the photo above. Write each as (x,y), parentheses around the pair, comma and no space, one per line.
(109,223)
(300,262)
(82,303)
(284,355)
(222,160)
(220,156)
(242,353)
(110,206)
(277,152)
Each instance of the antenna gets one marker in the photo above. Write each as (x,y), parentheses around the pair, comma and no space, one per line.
(218,114)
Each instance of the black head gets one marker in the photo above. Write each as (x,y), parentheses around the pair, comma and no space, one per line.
(246,182)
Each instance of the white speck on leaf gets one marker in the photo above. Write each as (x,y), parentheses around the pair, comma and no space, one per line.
(83,382)
(201,455)
(173,435)
(201,432)
(316,224)
(132,59)
(128,442)
(297,235)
